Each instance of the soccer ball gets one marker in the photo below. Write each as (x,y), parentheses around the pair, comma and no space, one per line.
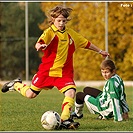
(50,120)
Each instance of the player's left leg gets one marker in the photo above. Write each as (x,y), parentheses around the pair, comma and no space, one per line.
(79,104)
(92,104)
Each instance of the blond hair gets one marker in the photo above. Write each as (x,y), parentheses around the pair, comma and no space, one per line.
(56,11)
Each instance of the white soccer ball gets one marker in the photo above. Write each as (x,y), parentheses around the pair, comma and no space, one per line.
(51,120)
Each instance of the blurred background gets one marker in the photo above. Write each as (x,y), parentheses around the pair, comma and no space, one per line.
(109,25)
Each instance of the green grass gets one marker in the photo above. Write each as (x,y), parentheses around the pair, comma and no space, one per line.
(18,113)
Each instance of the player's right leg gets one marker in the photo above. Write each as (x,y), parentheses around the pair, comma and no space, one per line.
(92,104)
(17,85)
(68,101)
(9,86)
(67,122)
(91,91)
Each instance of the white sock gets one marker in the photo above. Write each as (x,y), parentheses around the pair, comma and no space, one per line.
(78,109)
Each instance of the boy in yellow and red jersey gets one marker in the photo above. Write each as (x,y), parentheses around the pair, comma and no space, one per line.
(58,43)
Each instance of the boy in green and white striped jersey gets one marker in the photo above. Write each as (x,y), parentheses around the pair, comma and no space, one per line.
(111,102)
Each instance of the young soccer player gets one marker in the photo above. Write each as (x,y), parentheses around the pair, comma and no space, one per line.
(111,102)
(58,43)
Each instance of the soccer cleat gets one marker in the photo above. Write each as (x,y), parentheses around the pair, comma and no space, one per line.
(69,124)
(9,85)
(100,117)
(74,116)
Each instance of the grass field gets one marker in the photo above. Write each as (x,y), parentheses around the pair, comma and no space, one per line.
(18,113)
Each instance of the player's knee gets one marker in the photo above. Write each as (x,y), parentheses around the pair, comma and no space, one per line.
(80,97)
(70,92)
(86,89)
(79,94)
(30,94)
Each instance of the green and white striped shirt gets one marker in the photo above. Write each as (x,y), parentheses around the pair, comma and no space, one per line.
(111,101)
(113,98)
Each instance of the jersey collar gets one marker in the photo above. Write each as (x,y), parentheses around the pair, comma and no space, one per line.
(55,29)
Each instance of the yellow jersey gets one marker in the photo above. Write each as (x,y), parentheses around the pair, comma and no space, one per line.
(57,60)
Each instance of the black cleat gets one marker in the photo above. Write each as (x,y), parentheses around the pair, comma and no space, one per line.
(9,85)
(69,124)
(100,117)
(74,116)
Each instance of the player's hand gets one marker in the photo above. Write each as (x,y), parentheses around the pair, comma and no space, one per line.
(39,46)
(105,54)
(125,116)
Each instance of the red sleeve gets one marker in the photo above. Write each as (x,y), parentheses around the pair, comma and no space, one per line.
(88,45)
(41,41)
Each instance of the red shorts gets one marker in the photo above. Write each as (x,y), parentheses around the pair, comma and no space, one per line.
(40,82)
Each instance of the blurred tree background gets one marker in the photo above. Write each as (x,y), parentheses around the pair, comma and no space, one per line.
(87,18)
(12,38)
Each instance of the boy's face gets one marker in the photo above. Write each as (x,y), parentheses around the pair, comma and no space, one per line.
(107,74)
(60,22)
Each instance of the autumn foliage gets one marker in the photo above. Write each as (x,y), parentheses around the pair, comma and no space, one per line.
(88,18)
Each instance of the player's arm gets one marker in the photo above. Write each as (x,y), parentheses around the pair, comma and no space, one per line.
(125,116)
(114,95)
(116,110)
(44,40)
(40,46)
(98,50)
